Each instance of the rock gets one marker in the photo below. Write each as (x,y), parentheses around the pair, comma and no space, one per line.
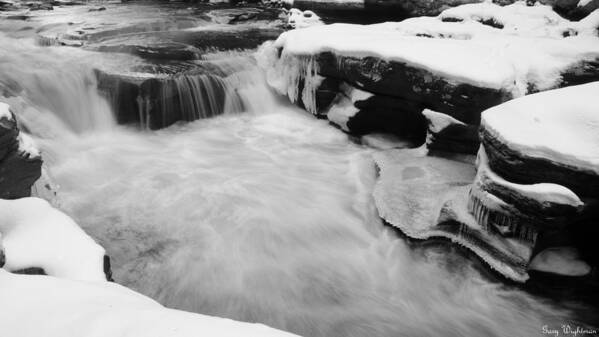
(445,133)
(571,8)
(97,9)
(371,11)
(393,60)
(158,101)
(419,86)
(360,112)
(20,164)
(549,137)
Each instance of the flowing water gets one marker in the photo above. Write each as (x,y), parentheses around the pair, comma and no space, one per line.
(262,216)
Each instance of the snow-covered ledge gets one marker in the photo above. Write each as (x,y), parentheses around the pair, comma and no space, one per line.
(460,63)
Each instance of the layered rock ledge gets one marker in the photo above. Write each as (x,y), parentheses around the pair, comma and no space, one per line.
(460,63)
(519,218)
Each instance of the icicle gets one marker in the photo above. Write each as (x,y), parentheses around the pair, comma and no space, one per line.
(494,215)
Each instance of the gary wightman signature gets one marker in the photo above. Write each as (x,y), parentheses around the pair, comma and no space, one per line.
(568,330)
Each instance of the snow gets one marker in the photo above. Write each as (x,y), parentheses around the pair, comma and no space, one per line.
(5,111)
(530,49)
(561,125)
(34,234)
(542,192)
(343,107)
(583,3)
(27,145)
(52,307)
(439,121)
(303,19)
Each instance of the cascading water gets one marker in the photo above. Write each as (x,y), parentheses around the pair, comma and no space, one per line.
(264,216)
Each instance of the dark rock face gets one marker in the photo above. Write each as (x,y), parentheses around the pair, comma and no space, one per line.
(18,169)
(107,269)
(390,115)
(520,168)
(30,271)
(570,9)
(372,11)
(462,101)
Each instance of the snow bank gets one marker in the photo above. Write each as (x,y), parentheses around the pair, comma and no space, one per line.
(34,234)
(560,125)
(46,306)
(533,46)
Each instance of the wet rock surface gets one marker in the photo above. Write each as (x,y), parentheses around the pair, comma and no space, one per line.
(19,169)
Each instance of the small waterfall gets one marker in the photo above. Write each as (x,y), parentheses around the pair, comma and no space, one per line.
(52,86)
(185,97)
(214,87)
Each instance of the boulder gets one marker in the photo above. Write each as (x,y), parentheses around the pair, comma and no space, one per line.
(536,179)
(20,162)
(549,137)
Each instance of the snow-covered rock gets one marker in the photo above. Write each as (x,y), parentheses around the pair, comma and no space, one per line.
(303,19)
(549,137)
(46,306)
(20,160)
(465,60)
(538,173)
(360,112)
(446,133)
(35,234)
